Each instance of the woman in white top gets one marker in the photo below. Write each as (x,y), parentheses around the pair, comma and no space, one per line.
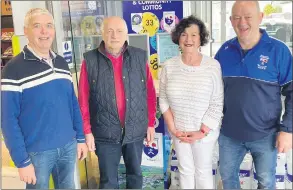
(191,100)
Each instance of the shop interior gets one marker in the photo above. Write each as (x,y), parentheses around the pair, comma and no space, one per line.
(77,25)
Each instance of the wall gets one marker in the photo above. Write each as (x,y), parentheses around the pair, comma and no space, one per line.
(19,9)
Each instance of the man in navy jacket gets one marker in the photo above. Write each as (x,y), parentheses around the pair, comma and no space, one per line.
(40,117)
(257,70)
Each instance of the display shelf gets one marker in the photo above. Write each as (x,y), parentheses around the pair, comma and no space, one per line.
(7,58)
(6,41)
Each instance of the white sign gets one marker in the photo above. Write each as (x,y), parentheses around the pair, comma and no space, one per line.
(166,48)
(67,51)
(169,20)
(152,154)
(136,22)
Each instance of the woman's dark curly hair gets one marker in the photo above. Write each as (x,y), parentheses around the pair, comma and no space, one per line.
(187,22)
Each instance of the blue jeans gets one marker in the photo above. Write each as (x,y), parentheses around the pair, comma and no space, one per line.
(60,162)
(264,156)
(109,158)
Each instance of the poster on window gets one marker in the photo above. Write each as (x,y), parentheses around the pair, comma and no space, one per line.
(152,17)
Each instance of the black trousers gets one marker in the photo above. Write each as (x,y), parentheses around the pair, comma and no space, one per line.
(109,157)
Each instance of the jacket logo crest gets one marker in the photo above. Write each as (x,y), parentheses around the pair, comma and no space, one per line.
(263,62)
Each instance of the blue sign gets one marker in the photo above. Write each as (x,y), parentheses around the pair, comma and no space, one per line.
(154,17)
(68,57)
(158,9)
(66,46)
(67,51)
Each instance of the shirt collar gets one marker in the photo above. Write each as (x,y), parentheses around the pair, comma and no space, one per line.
(52,54)
(103,50)
(115,56)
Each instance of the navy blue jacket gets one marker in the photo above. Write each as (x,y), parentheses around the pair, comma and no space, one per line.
(39,107)
(253,85)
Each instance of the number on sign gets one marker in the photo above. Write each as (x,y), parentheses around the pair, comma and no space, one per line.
(154,64)
(149,22)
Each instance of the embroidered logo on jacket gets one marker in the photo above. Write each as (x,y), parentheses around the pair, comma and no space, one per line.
(263,61)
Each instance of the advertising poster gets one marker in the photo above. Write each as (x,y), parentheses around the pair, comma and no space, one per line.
(166,48)
(154,17)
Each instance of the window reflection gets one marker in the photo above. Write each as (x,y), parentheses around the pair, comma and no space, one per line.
(277,21)
(81,24)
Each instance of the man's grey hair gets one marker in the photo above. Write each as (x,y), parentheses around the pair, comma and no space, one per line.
(103,23)
(35,12)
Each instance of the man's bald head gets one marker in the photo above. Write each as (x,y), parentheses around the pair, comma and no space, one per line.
(114,33)
(246,18)
(113,20)
(251,4)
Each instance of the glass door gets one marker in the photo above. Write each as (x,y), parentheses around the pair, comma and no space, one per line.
(277,21)
(77,31)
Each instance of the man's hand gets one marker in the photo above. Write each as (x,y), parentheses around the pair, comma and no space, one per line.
(27,174)
(150,135)
(90,142)
(81,151)
(284,142)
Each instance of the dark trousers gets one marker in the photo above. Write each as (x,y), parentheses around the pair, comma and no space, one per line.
(109,157)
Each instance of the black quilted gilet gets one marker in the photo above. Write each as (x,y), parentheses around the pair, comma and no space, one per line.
(105,122)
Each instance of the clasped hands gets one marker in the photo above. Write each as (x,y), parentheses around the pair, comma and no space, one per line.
(191,136)
(188,136)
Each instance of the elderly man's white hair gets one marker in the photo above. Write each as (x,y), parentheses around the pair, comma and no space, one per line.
(35,12)
(105,21)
